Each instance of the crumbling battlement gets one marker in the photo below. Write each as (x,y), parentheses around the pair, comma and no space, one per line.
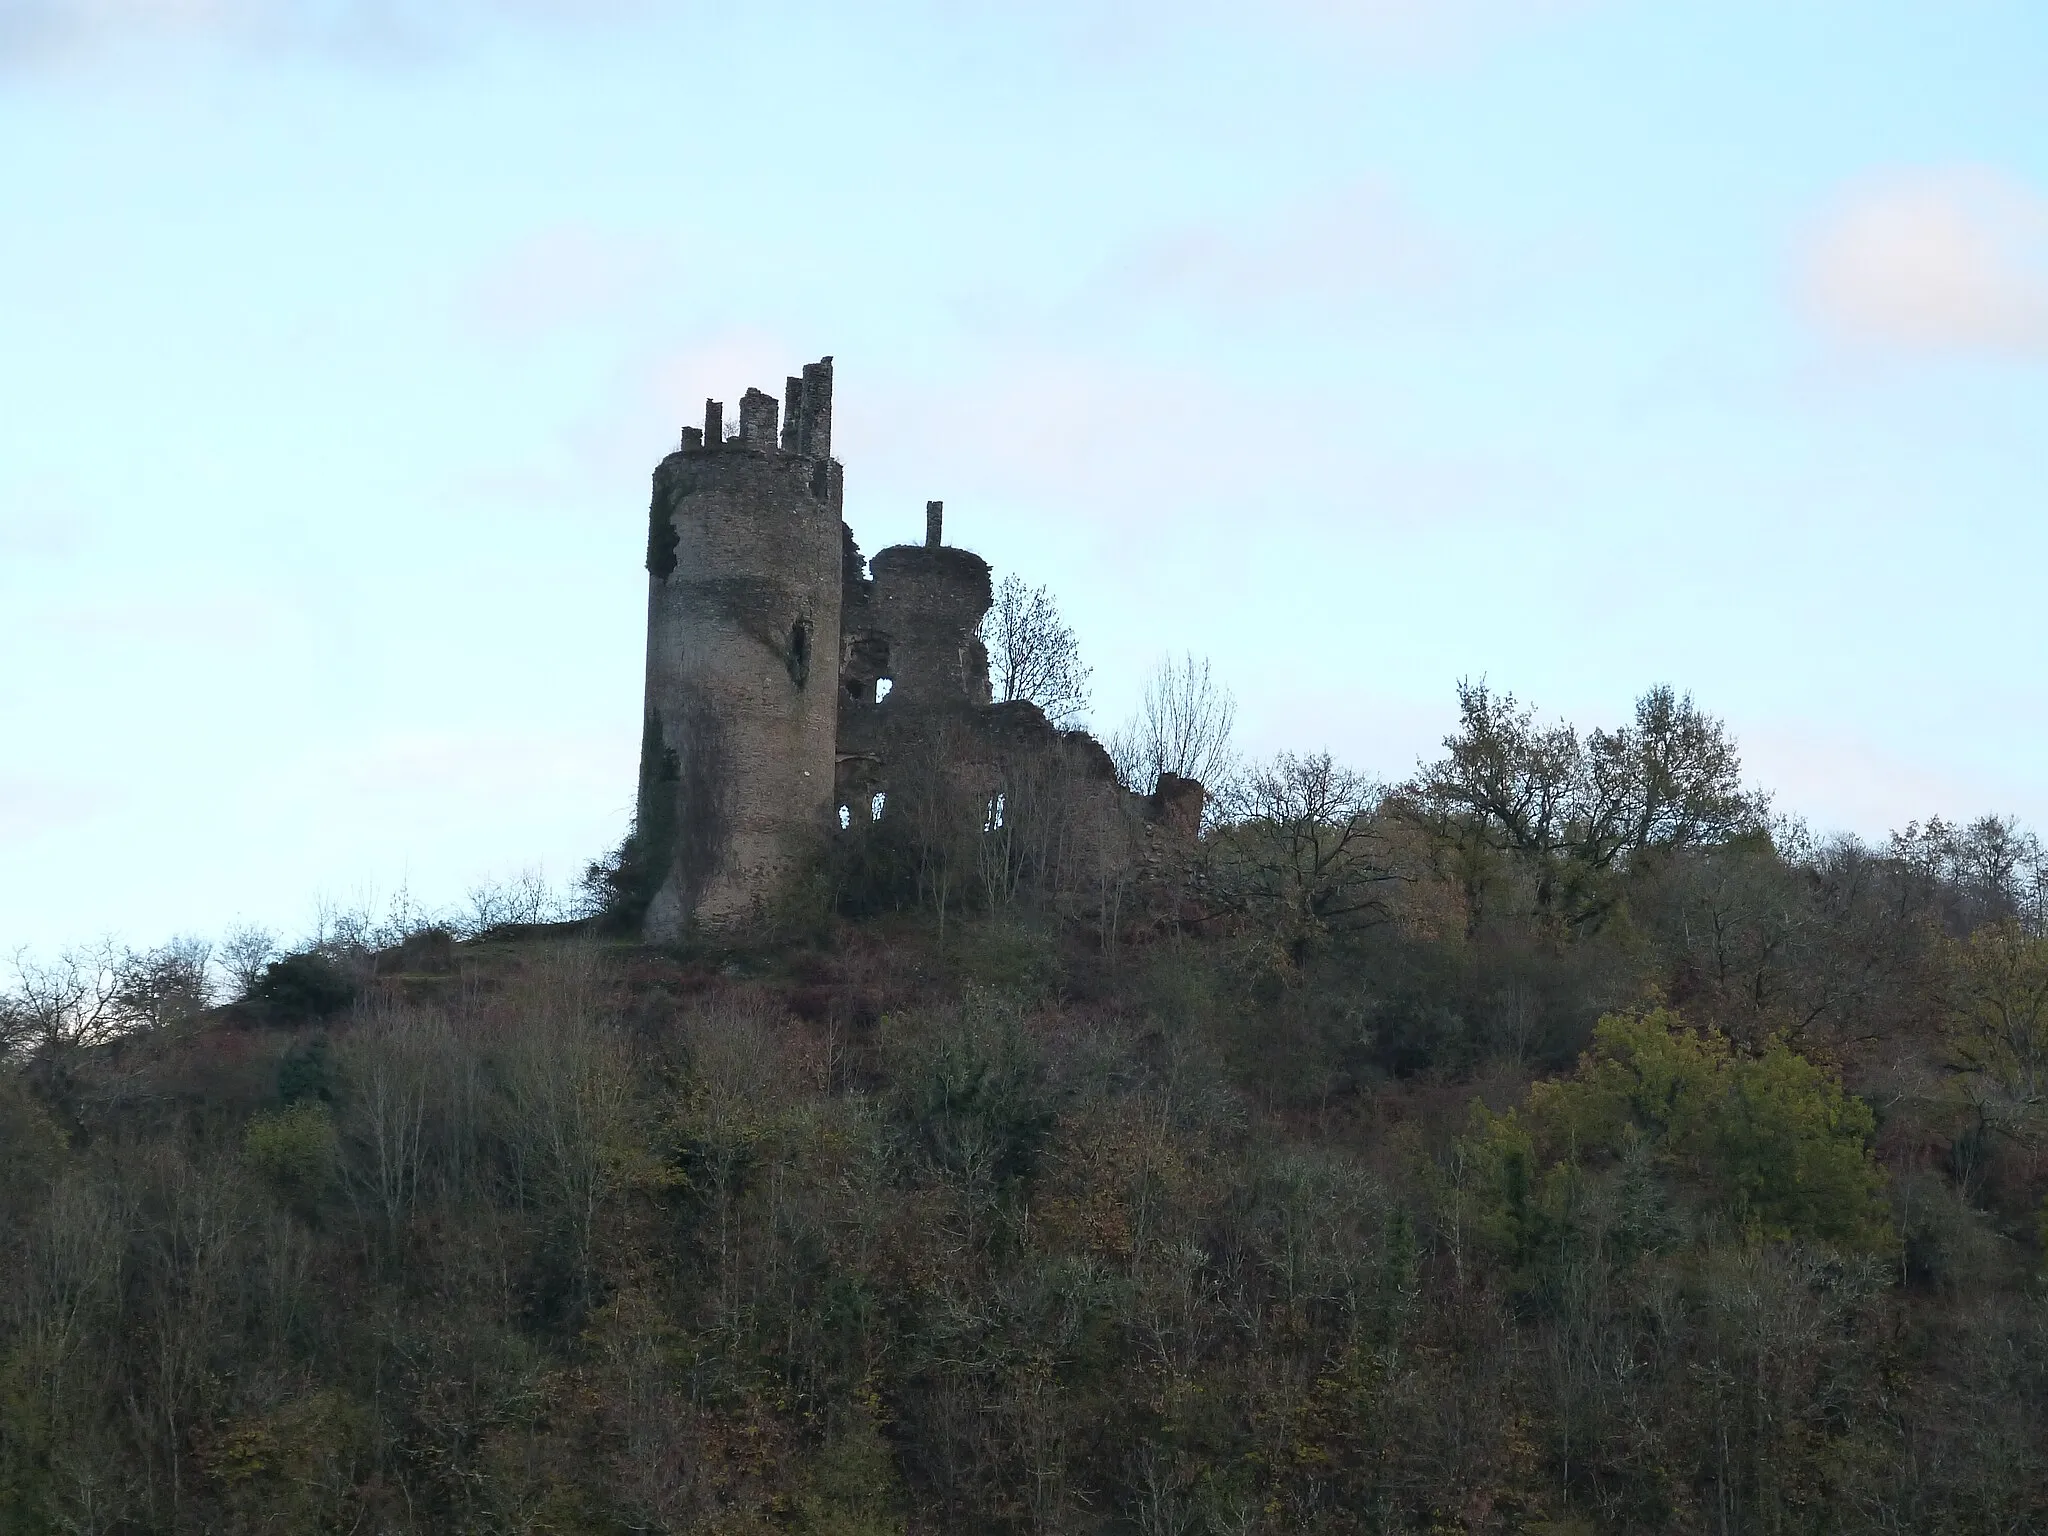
(792,686)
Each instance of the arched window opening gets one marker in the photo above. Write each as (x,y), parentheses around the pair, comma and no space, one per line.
(882,687)
(995,814)
(875,806)
(845,818)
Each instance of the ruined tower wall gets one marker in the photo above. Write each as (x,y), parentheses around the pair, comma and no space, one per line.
(916,624)
(929,600)
(743,647)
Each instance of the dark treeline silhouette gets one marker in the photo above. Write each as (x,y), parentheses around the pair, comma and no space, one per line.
(1559,1141)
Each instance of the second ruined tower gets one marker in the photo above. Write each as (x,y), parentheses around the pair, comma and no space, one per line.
(743,594)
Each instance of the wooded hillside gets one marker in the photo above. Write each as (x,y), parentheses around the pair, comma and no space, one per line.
(1556,1143)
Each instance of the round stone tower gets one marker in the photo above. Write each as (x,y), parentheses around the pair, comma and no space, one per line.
(744,569)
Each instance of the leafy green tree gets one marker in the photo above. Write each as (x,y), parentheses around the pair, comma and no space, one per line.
(1772,1139)
(1998,1023)
(300,987)
(1578,813)
(973,1104)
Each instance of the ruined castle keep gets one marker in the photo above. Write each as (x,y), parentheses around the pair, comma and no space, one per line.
(793,687)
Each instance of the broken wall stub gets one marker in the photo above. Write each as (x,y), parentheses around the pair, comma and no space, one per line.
(910,651)
(744,571)
(1177,805)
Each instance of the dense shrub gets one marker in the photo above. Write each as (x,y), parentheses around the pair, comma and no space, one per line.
(302,987)
(294,1150)
(972,1099)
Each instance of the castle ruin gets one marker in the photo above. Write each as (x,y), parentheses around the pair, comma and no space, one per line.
(794,688)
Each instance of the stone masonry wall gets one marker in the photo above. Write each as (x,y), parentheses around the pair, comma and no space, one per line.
(744,563)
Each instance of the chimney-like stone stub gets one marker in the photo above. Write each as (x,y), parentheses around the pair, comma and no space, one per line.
(814,435)
(757,420)
(792,413)
(693,438)
(934,524)
(714,423)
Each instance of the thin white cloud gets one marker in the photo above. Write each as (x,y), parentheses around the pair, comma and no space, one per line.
(1330,254)
(619,436)
(214,622)
(1396,31)
(562,277)
(40,528)
(423,766)
(46,528)
(1345,244)
(1949,260)
(39,31)
(35,808)
(1845,781)
(1434,25)
(1124,456)
(662,391)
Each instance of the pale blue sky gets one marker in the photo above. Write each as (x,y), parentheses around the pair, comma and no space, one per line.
(1358,346)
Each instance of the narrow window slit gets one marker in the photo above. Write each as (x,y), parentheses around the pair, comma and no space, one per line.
(799,658)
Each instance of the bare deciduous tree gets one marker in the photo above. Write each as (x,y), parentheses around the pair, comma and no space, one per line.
(1182,727)
(566,1086)
(243,953)
(58,1008)
(1991,870)
(1032,653)
(396,1068)
(525,898)
(163,987)
(1300,848)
